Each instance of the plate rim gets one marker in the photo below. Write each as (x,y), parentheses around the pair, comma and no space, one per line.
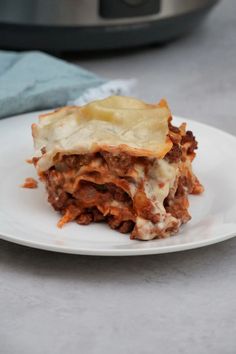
(116,252)
(120,252)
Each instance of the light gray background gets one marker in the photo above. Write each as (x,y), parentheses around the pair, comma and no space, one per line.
(174,303)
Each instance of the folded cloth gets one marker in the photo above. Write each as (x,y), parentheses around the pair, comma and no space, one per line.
(32,81)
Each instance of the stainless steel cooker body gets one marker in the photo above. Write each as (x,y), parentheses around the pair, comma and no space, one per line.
(96,24)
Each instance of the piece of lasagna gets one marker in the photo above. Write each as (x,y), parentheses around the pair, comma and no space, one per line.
(117,160)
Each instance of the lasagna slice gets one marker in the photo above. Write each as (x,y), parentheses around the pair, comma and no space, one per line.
(117,160)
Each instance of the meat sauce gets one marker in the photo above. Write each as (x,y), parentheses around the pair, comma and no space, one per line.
(86,201)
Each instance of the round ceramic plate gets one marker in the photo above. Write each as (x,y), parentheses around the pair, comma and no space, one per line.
(26,217)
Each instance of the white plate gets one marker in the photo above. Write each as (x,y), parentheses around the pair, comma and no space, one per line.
(26,217)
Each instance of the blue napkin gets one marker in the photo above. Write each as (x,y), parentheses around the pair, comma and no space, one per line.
(32,81)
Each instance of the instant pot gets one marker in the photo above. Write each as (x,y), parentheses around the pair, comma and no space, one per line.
(96,24)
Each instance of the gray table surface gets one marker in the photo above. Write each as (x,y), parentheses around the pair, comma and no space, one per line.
(173,303)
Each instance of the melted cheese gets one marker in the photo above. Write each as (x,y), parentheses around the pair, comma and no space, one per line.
(113,124)
(158,183)
(160,180)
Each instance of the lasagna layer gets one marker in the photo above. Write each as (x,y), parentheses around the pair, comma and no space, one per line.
(136,186)
(115,124)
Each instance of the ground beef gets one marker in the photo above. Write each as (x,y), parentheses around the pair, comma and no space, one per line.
(84,218)
(89,193)
(76,161)
(118,163)
(113,221)
(174,134)
(89,198)
(121,226)
(174,155)
(58,199)
(177,206)
(189,138)
(173,129)
(97,215)
(93,193)
(126,226)
(182,186)
(117,193)
(55,178)
(89,215)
